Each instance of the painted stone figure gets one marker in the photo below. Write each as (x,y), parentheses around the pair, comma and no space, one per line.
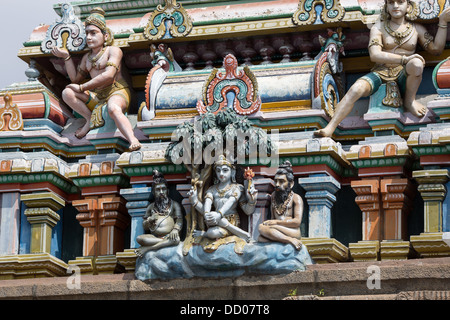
(107,84)
(286,211)
(221,203)
(392,45)
(163,219)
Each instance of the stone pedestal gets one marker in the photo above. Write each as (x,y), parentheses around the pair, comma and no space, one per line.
(326,250)
(368,250)
(396,250)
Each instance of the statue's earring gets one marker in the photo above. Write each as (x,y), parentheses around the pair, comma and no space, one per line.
(413,11)
(385,14)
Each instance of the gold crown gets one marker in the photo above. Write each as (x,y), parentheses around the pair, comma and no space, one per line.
(223,161)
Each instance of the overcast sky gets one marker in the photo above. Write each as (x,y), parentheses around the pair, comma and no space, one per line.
(19,18)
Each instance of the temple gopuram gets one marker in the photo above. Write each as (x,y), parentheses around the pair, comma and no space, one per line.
(370,201)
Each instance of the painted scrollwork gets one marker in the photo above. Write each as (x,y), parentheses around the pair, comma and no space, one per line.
(332,11)
(10,115)
(328,87)
(238,90)
(67,32)
(170,21)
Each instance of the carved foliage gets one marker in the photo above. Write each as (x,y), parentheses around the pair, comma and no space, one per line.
(332,11)
(67,32)
(240,86)
(172,17)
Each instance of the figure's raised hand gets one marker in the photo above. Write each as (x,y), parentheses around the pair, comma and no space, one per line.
(60,52)
(251,193)
(193,196)
(444,17)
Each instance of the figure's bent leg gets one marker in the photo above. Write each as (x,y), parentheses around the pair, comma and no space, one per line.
(359,89)
(116,109)
(77,101)
(274,234)
(224,223)
(414,71)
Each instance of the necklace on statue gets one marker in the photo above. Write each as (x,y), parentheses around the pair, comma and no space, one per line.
(223,191)
(399,36)
(93,60)
(281,209)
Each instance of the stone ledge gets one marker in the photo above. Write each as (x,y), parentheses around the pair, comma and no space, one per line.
(333,280)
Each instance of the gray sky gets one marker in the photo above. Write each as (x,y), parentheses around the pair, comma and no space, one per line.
(19,18)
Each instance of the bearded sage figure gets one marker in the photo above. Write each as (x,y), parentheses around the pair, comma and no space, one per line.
(286,211)
(163,219)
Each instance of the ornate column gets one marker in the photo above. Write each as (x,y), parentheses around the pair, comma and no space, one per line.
(433,191)
(368,200)
(104,221)
(138,200)
(41,214)
(396,197)
(320,195)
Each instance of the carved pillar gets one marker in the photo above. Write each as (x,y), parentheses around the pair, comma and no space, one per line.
(41,214)
(368,200)
(433,191)
(320,195)
(432,188)
(104,221)
(396,197)
(138,201)
(87,209)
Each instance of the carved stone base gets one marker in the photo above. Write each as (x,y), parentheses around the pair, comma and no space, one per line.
(368,250)
(326,250)
(36,265)
(430,245)
(98,265)
(396,250)
(127,260)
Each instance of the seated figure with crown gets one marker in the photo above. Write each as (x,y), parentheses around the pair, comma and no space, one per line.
(221,203)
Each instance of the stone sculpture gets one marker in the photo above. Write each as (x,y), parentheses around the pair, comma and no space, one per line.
(393,41)
(163,219)
(107,85)
(224,196)
(286,211)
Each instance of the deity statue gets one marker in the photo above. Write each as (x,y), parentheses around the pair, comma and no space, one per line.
(163,219)
(107,84)
(221,203)
(286,211)
(392,45)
